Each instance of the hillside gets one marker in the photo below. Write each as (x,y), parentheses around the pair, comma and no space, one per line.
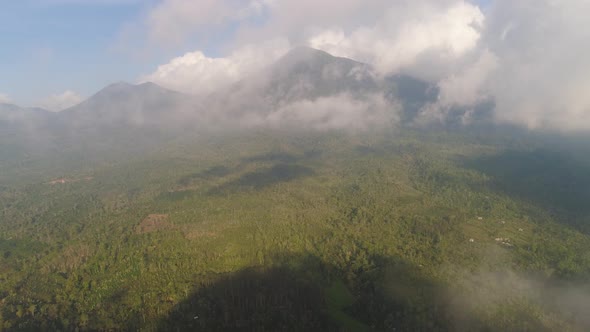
(305,197)
(325,232)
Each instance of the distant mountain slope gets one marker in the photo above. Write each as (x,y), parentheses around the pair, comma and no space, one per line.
(14,113)
(302,74)
(119,104)
(308,73)
(412,93)
(304,84)
(24,122)
(24,131)
(122,120)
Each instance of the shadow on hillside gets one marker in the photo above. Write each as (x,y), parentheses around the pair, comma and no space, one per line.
(253,300)
(272,157)
(209,173)
(295,293)
(314,297)
(266,177)
(555,181)
(221,171)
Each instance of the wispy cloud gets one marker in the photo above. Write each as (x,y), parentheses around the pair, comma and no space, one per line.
(171,21)
(336,112)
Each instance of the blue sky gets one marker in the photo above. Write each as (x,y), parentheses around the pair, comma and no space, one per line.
(49,46)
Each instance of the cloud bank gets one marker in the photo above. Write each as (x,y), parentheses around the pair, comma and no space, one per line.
(198,74)
(408,37)
(530,57)
(334,112)
(544,60)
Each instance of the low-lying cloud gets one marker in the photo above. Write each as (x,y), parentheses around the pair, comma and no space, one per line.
(336,112)
(487,293)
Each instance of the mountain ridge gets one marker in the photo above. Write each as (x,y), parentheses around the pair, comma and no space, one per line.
(302,76)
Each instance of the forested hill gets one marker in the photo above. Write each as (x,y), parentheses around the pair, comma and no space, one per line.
(272,231)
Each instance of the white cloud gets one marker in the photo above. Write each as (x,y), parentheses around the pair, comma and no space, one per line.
(542,79)
(296,18)
(409,34)
(4,99)
(174,20)
(59,102)
(196,73)
(403,39)
(467,86)
(531,56)
(335,112)
(342,111)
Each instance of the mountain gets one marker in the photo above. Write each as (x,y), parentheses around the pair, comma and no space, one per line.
(16,120)
(306,74)
(145,115)
(24,131)
(124,104)
(121,120)
(302,74)
(120,105)
(14,113)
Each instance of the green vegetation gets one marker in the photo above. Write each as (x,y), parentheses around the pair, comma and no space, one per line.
(275,231)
